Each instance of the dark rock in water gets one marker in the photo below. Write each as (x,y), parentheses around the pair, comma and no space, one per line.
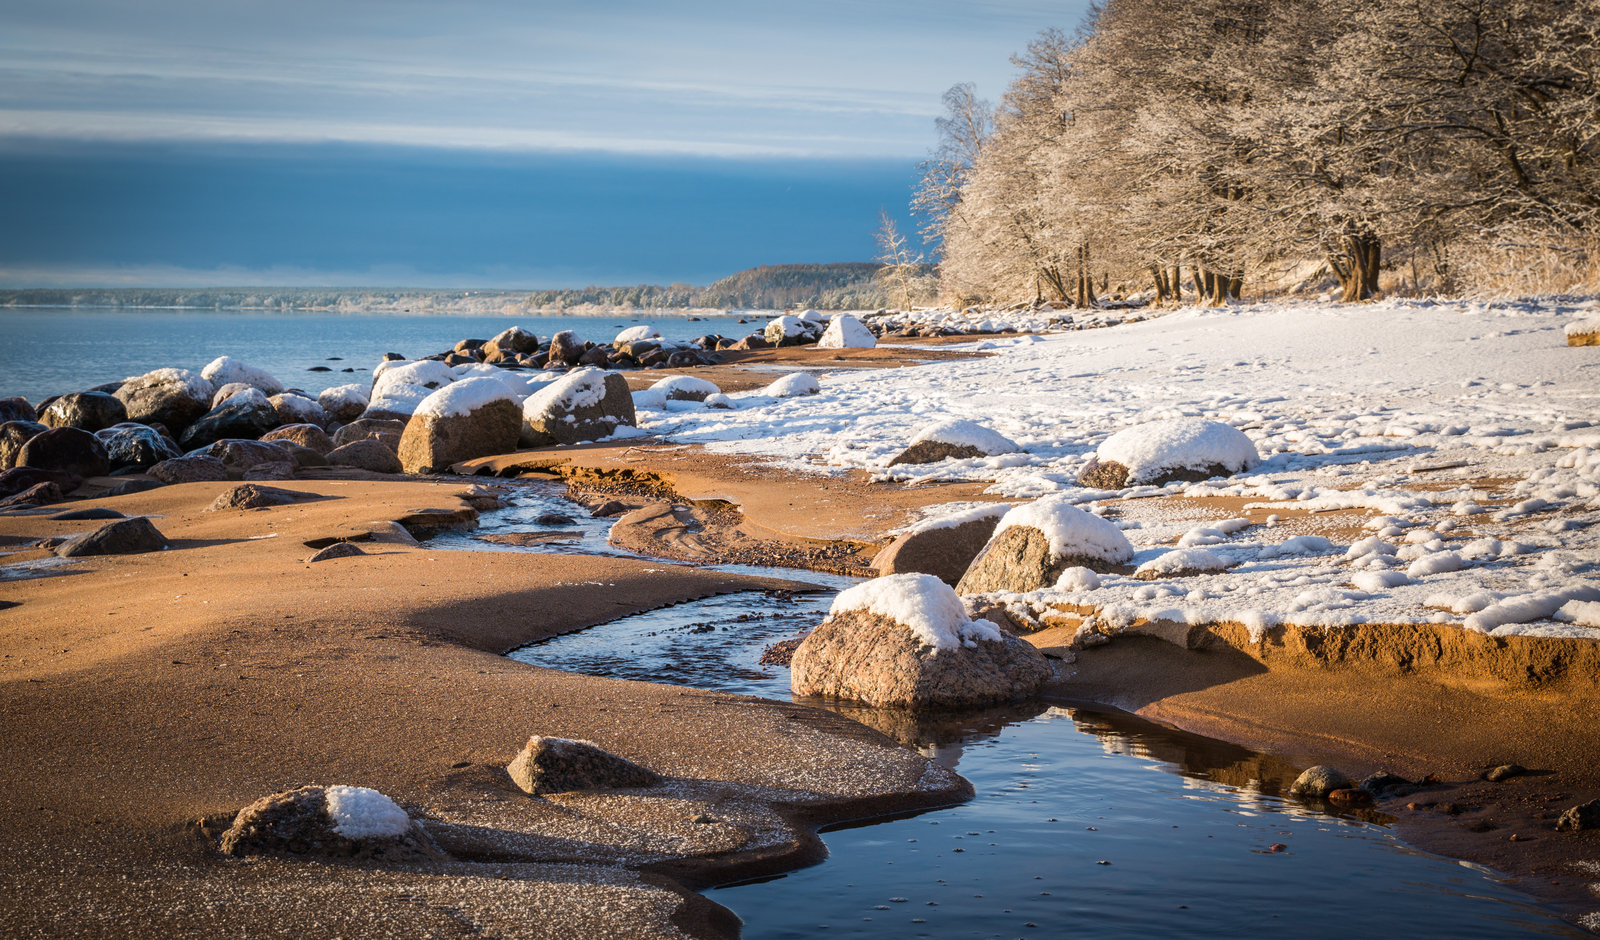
(382,430)
(336,550)
(946,553)
(934,451)
(334,359)
(124,537)
(174,398)
(253,496)
(609,508)
(17,479)
(17,409)
(319,369)
(553,518)
(89,411)
(245,417)
(13,434)
(347,370)
(76,515)
(131,487)
(366,454)
(66,450)
(393,357)
(195,468)
(306,435)
(560,765)
(566,346)
(1319,781)
(1505,772)
(1578,818)
(135,446)
(329,822)
(40,494)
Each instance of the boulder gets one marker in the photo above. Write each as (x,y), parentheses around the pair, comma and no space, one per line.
(792,331)
(944,548)
(1319,781)
(123,537)
(396,402)
(567,347)
(13,434)
(238,456)
(301,456)
(298,409)
(905,641)
(1161,452)
(344,402)
(793,385)
(253,496)
(685,359)
(270,470)
(637,349)
(468,419)
(135,445)
(598,356)
(225,392)
(1034,543)
(753,341)
(954,439)
(560,765)
(245,416)
(17,409)
(383,431)
(684,388)
(329,822)
(584,405)
(336,550)
(18,479)
(366,454)
(516,340)
(226,370)
(88,411)
(39,494)
(846,332)
(635,334)
(425,373)
(175,398)
(192,468)
(67,450)
(1580,817)
(306,435)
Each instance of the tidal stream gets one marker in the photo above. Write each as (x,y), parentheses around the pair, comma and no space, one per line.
(1088,822)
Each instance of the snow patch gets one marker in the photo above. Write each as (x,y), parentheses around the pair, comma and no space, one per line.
(962,433)
(1148,450)
(363,813)
(793,384)
(846,332)
(1070,530)
(225,370)
(462,398)
(922,602)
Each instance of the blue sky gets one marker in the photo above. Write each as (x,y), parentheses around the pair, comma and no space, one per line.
(484,143)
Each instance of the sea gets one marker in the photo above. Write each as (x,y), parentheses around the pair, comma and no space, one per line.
(52,351)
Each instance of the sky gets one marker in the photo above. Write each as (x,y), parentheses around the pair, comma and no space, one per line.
(485,143)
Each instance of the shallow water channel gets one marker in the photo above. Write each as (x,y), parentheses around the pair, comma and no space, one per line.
(1088,822)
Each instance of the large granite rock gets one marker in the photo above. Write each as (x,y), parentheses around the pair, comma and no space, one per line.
(792,331)
(17,409)
(136,445)
(471,418)
(584,405)
(560,765)
(298,409)
(566,347)
(306,435)
(944,548)
(1162,452)
(67,450)
(123,537)
(515,340)
(239,456)
(957,439)
(13,434)
(226,370)
(344,403)
(88,411)
(329,822)
(905,641)
(1034,543)
(192,468)
(245,416)
(383,431)
(173,398)
(366,454)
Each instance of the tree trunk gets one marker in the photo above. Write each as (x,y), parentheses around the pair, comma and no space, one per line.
(1357,269)
(1160,278)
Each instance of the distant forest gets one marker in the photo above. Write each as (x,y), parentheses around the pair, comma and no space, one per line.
(852,285)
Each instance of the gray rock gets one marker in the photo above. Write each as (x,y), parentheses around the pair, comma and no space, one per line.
(1505,772)
(299,822)
(193,468)
(17,479)
(40,494)
(66,450)
(174,398)
(1319,781)
(135,445)
(1578,818)
(384,431)
(945,553)
(253,496)
(1019,559)
(336,550)
(306,435)
(13,434)
(239,456)
(566,346)
(559,765)
(432,443)
(246,417)
(124,537)
(581,406)
(366,454)
(298,409)
(17,409)
(934,451)
(88,411)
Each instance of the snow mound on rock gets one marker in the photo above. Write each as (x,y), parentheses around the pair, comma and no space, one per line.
(959,432)
(1582,613)
(1070,530)
(331,398)
(429,373)
(226,370)
(399,399)
(846,332)
(363,813)
(194,385)
(922,602)
(582,388)
(1078,579)
(459,399)
(793,385)
(1148,450)
(1182,561)
(636,333)
(1583,327)
(686,387)
(791,326)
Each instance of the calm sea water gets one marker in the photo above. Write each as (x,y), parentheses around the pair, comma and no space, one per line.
(47,352)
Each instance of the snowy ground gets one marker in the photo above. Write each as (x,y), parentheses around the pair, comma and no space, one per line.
(1351,407)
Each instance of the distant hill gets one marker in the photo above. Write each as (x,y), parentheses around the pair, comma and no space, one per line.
(849,285)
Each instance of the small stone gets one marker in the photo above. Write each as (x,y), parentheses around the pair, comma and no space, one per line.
(1584,816)
(1350,796)
(560,765)
(1277,847)
(702,819)
(320,822)
(553,519)
(1319,781)
(1505,772)
(609,508)
(253,496)
(336,550)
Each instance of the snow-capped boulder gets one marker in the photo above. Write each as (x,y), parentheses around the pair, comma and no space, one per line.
(515,340)
(943,547)
(584,405)
(684,388)
(1034,543)
(329,822)
(905,640)
(956,439)
(474,417)
(792,331)
(298,409)
(426,373)
(135,445)
(635,333)
(173,398)
(566,347)
(88,411)
(1583,333)
(226,370)
(1184,563)
(846,332)
(247,415)
(561,765)
(793,385)
(396,402)
(815,316)
(1160,452)
(65,450)
(225,392)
